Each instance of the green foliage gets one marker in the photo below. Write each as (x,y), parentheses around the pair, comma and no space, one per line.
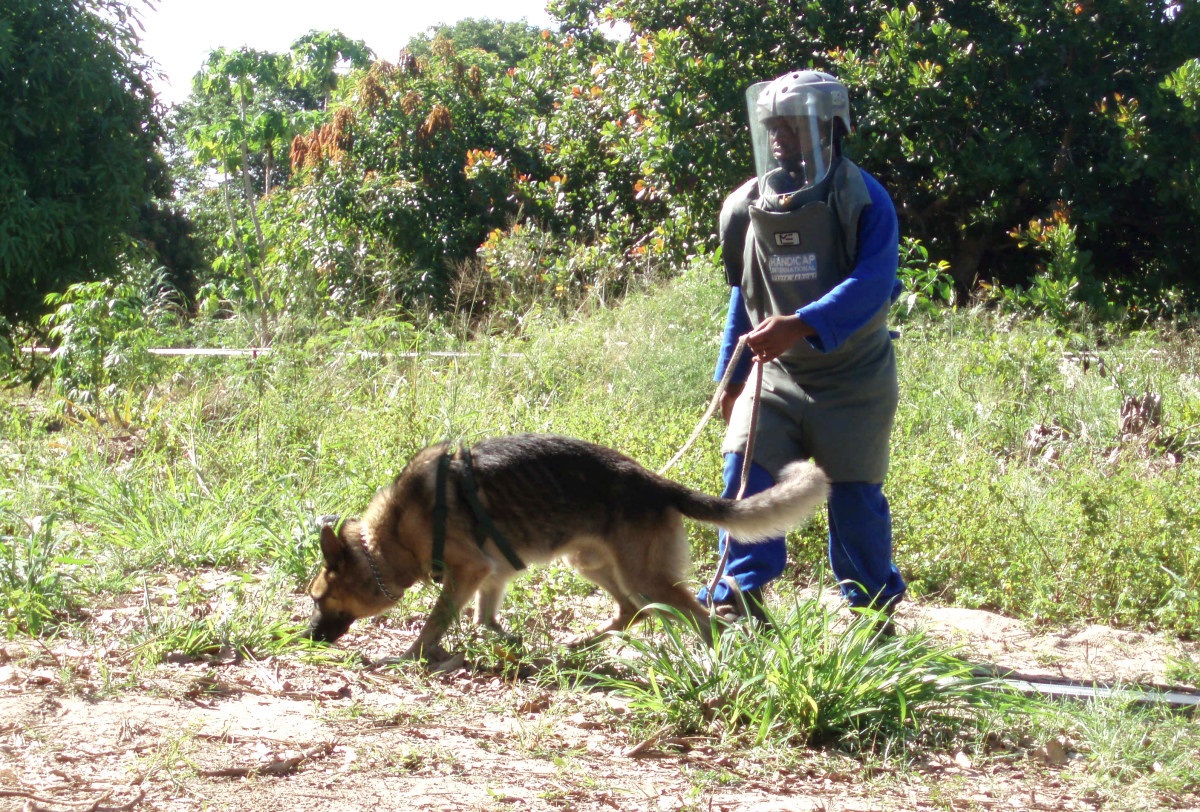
(511,42)
(978,117)
(245,109)
(1013,485)
(927,282)
(237,621)
(316,58)
(78,138)
(422,160)
(633,143)
(988,123)
(190,534)
(1135,755)
(802,682)
(1063,289)
(527,269)
(1184,82)
(1014,438)
(402,184)
(36,581)
(101,331)
(998,121)
(1184,670)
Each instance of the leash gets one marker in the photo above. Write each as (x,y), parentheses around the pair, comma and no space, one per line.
(748,454)
(747,461)
(712,404)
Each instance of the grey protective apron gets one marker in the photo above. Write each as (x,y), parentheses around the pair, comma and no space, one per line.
(836,407)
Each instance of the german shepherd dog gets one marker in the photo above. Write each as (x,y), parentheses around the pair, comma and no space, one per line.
(541,497)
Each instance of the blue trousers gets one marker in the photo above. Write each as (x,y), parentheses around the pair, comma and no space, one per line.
(860,542)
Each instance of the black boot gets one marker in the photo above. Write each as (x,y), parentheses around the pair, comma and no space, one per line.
(739,604)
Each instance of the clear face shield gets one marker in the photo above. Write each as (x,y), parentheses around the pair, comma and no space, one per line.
(793,137)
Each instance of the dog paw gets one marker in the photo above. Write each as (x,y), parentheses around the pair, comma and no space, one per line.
(583,641)
(451,662)
(426,654)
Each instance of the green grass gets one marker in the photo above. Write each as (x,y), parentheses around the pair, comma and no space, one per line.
(36,577)
(1129,757)
(1012,488)
(237,618)
(805,681)
(1011,485)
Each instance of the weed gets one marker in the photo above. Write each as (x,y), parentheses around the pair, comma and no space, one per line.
(35,579)
(243,620)
(101,331)
(1132,754)
(927,284)
(1011,483)
(1184,669)
(800,682)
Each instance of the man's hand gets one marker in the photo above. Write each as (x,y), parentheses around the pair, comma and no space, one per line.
(775,336)
(728,398)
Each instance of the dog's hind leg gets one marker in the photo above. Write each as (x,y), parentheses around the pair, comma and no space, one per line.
(603,574)
(678,596)
(490,597)
(662,576)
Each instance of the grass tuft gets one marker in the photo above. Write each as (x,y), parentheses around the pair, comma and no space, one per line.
(36,579)
(801,680)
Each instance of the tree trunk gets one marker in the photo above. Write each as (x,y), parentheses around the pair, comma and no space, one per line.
(968,256)
(250,199)
(251,267)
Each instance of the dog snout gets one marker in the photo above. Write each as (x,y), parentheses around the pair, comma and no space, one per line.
(327,628)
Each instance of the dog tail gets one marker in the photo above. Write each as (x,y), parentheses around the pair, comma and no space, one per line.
(801,489)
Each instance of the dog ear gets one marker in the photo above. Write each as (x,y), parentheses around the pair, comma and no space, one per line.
(333,547)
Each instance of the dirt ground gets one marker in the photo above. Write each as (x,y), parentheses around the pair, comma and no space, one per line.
(77,733)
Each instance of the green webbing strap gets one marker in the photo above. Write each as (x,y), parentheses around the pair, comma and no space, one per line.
(438,566)
(484,526)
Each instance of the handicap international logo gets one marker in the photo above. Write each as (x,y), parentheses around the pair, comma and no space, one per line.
(793,267)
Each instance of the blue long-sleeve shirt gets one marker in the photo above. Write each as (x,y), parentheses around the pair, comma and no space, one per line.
(849,305)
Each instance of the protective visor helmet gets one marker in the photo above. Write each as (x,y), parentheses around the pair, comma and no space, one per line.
(793,126)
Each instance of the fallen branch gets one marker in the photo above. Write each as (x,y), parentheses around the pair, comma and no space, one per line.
(36,802)
(281,766)
(641,747)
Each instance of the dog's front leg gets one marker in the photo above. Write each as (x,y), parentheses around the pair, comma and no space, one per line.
(460,584)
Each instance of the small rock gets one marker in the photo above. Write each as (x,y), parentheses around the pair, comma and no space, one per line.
(1053,752)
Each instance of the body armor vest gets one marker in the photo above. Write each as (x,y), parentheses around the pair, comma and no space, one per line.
(793,258)
(836,406)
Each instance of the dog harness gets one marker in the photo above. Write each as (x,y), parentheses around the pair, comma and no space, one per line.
(484,526)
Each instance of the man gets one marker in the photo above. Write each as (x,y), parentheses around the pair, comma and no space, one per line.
(810,248)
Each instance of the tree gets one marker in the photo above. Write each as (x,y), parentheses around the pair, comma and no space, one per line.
(78,138)
(980,116)
(511,42)
(246,105)
(317,57)
(399,174)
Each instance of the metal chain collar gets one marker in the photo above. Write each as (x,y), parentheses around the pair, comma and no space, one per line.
(362,538)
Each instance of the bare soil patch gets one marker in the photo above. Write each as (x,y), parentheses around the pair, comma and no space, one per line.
(76,732)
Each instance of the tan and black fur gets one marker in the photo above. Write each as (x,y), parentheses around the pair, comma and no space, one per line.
(618,524)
